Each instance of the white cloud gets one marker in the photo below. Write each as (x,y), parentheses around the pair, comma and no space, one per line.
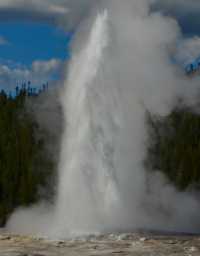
(3,41)
(39,72)
(70,12)
(188,50)
(48,6)
(183,4)
(45,67)
(181,7)
(59,12)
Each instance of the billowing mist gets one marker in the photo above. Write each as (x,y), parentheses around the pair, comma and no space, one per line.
(121,65)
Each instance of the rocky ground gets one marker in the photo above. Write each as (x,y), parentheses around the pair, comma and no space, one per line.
(124,244)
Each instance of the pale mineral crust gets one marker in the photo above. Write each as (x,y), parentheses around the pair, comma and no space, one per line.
(105,245)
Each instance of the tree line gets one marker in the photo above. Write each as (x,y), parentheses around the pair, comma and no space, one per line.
(174,145)
(24,165)
(26,169)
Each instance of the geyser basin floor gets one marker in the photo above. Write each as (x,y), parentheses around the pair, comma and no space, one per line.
(124,244)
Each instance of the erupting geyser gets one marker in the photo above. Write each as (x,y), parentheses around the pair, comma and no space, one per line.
(102,183)
(121,63)
(88,189)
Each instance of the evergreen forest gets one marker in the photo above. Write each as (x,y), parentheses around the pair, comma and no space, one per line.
(27,170)
(25,167)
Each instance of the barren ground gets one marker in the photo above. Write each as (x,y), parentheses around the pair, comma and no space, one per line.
(124,244)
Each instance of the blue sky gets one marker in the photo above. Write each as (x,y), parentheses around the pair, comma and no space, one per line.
(28,42)
(31,51)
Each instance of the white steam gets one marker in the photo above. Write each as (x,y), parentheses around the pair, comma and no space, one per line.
(188,50)
(121,63)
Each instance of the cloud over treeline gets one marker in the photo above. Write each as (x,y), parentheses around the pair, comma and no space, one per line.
(39,72)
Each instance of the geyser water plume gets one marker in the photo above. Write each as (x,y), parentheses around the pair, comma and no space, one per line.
(87,188)
(121,63)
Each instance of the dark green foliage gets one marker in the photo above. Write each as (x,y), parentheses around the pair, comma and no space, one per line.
(24,165)
(174,146)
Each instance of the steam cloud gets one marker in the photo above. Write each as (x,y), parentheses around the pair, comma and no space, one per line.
(121,62)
